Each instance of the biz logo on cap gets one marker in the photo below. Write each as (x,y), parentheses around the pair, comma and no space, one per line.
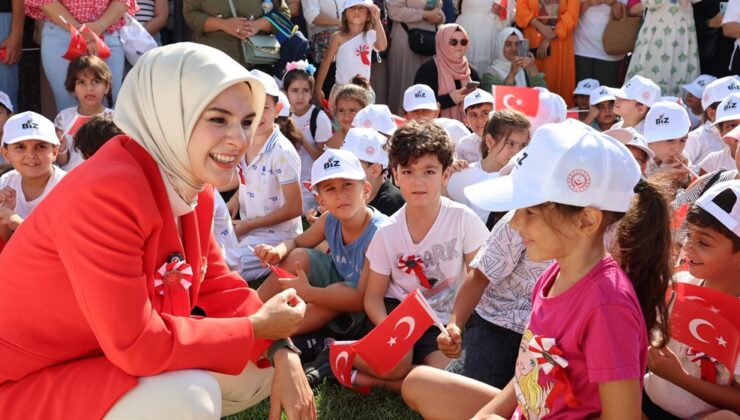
(587,85)
(603,92)
(579,180)
(331,163)
(30,125)
(733,86)
(420,94)
(477,95)
(701,83)
(367,123)
(730,105)
(662,119)
(521,159)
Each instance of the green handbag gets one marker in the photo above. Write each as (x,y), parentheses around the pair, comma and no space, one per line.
(261,49)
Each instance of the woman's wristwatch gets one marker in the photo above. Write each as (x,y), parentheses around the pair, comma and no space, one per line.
(276,345)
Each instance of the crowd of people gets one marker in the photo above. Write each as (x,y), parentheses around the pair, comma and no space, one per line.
(194,230)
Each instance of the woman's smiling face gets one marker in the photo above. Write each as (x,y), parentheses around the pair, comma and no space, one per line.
(221,135)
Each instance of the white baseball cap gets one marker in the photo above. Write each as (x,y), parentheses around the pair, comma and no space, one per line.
(601,94)
(351,3)
(696,87)
(730,219)
(29,126)
(454,128)
(419,97)
(728,109)
(675,99)
(666,121)
(271,87)
(586,86)
(632,138)
(336,163)
(5,101)
(478,96)
(378,117)
(283,100)
(367,144)
(640,89)
(568,163)
(552,109)
(719,89)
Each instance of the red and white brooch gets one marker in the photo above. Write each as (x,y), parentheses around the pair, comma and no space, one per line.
(415,264)
(551,360)
(176,271)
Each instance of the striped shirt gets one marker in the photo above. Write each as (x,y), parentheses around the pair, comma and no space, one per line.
(146,11)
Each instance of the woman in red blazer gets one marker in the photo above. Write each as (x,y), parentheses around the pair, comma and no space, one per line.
(115,284)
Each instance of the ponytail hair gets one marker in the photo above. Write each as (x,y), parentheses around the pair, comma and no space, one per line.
(645,255)
(287,127)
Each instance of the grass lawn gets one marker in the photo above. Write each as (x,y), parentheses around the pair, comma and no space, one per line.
(335,402)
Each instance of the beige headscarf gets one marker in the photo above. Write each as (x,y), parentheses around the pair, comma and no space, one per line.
(165,93)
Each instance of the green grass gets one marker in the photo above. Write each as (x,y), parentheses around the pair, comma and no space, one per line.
(334,402)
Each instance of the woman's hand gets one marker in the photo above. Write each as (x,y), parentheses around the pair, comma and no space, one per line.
(547,32)
(716,21)
(290,390)
(13,47)
(542,49)
(434,16)
(664,363)
(458,95)
(276,319)
(496,8)
(237,27)
(450,341)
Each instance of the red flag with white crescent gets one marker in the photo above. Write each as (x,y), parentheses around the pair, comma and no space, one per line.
(341,357)
(77,45)
(523,99)
(103,49)
(384,347)
(705,329)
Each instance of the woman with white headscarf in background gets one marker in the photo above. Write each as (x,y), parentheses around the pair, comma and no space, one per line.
(133,313)
(508,68)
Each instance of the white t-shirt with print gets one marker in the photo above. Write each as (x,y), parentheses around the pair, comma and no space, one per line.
(354,57)
(468,148)
(13,180)
(223,230)
(260,189)
(69,121)
(702,141)
(456,231)
(587,40)
(323,132)
(718,160)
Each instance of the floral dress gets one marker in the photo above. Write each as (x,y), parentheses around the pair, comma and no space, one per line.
(666,49)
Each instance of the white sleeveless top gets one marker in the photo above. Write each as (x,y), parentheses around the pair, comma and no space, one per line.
(354,57)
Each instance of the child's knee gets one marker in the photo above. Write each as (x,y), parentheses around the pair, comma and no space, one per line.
(299,255)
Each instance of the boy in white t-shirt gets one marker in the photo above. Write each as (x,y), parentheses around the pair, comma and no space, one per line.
(440,235)
(477,106)
(31,145)
(728,117)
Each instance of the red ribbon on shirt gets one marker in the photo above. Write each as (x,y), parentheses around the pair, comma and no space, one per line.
(552,362)
(415,264)
(707,364)
(172,280)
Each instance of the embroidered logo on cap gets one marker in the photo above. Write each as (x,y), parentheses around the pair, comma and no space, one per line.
(367,124)
(370,150)
(603,92)
(331,163)
(701,83)
(579,180)
(733,86)
(30,125)
(420,94)
(662,119)
(645,95)
(730,105)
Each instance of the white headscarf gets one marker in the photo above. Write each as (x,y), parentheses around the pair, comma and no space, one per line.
(165,93)
(501,65)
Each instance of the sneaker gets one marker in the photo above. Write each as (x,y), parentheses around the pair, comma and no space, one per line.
(310,345)
(319,370)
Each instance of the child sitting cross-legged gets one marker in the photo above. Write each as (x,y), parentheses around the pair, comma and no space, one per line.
(431,230)
(331,284)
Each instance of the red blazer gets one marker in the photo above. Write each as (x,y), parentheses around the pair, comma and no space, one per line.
(81,318)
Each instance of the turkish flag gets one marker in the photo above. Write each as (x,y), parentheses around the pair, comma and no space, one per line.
(77,123)
(384,347)
(523,99)
(77,45)
(281,272)
(103,50)
(718,302)
(702,326)
(341,357)
(502,9)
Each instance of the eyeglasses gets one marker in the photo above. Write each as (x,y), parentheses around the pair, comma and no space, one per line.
(463,42)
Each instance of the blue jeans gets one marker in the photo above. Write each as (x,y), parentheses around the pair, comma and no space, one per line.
(8,74)
(489,352)
(54,43)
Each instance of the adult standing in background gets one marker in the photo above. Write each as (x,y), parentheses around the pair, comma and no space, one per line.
(402,62)
(549,26)
(731,29)
(323,18)
(11,40)
(666,50)
(508,68)
(715,48)
(153,16)
(104,17)
(592,62)
(483,20)
(214,25)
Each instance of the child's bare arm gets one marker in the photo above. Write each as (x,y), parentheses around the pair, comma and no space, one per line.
(502,406)
(664,363)
(292,208)
(620,400)
(381,42)
(331,52)
(377,285)
(308,239)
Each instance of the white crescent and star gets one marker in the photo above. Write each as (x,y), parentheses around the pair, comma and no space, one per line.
(342,356)
(506,101)
(406,320)
(694,325)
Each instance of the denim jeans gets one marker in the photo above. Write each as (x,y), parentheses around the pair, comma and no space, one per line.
(489,352)
(54,43)
(8,74)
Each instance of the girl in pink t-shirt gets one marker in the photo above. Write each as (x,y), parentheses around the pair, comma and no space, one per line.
(584,351)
